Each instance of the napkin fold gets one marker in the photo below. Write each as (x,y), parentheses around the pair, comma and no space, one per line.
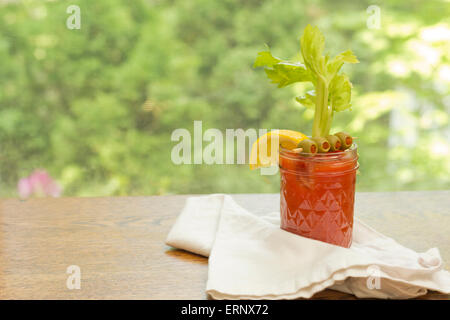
(250,257)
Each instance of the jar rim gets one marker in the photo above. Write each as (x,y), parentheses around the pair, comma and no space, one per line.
(286,153)
(334,159)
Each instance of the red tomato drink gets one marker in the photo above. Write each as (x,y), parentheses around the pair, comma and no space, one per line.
(317,194)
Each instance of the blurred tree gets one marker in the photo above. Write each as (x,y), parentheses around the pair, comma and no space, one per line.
(96,107)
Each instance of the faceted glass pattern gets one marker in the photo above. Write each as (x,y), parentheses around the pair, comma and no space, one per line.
(317,196)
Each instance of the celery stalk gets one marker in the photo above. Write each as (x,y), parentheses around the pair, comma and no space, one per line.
(332,90)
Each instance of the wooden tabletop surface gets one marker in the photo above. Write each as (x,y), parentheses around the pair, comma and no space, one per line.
(118,243)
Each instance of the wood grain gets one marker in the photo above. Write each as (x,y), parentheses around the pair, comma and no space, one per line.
(119,243)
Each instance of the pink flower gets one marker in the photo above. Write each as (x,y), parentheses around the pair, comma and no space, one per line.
(38,183)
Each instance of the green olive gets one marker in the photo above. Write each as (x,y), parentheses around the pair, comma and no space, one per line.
(335,143)
(346,140)
(323,144)
(308,146)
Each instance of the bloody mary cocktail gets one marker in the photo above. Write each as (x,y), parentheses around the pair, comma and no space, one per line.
(318,172)
(317,194)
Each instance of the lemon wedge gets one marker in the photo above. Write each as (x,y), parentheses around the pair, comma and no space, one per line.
(266,149)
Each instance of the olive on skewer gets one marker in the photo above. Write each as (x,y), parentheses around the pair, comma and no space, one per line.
(335,143)
(346,140)
(308,146)
(322,144)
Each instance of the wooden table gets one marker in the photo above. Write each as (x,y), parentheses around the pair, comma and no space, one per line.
(118,243)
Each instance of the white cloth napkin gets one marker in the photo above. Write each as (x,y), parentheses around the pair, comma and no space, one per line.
(250,257)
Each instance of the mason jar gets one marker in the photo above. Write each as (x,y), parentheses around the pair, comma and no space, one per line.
(317,194)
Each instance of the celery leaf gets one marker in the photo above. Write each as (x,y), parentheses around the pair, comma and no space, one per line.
(265,59)
(312,44)
(340,93)
(285,73)
(308,100)
(335,64)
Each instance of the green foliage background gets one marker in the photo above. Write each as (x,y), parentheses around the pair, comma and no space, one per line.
(96,107)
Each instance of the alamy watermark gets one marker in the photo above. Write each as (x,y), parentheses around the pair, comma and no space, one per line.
(231,148)
(374,279)
(374,18)
(74,279)
(74,20)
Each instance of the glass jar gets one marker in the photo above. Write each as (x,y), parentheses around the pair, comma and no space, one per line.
(317,194)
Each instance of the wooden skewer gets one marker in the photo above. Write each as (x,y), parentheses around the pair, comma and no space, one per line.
(297,150)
